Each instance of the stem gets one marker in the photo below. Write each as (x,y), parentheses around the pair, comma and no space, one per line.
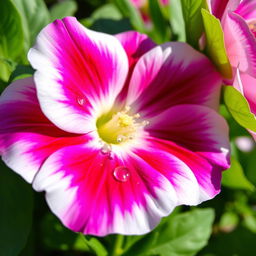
(117,248)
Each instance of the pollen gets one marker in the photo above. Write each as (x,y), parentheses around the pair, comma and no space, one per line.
(125,120)
(121,127)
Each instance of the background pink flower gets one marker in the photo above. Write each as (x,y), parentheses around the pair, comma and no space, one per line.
(116,130)
(238,19)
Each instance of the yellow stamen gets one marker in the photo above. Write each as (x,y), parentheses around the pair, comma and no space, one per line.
(121,127)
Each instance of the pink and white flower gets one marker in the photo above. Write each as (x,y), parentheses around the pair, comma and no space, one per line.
(238,19)
(116,130)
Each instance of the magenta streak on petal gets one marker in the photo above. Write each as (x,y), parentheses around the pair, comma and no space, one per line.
(208,136)
(172,74)
(76,62)
(218,7)
(27,137)
(135,45)
(98,197)
(208,176)
(248,83)
(240,44)
(247,9)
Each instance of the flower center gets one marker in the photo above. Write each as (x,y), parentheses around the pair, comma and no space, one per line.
(120,127)
(252,27)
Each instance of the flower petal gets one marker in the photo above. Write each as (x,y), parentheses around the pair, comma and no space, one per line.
(135,44)
(246,84)
(177,172)
(172,74)
(82,191)
(208,175)
(197,128)
(27,137)
(217,7)
(240,44)
(247,9)
(78,71)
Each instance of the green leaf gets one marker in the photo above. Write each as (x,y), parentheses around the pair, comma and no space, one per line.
(215,47)
(95,245)
(161,30)
(129,11)
(21,71)
(193,20)
(239,108)
(107,19)
(177,20)
(240,242)
(35,16)
(107,11)
(56,237)
(16,200)
(234,177)
(11,38)
(183,235)
(111,26)
(63,9)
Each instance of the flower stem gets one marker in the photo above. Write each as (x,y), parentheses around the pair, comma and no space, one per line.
(117,248)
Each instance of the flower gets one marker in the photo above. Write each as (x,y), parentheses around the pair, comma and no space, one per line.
(142,6)
(116,130)
(238,19)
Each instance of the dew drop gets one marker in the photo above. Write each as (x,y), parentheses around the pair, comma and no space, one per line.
(106,149)
(81,101)
(121,173)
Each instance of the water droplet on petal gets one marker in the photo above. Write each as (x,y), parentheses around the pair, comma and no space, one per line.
(81,101)
(106,149)
(121,173)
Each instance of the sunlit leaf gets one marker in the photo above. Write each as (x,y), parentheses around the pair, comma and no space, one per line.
(193,20)
(95,245)
(183,235)
(35,16)
(239,108)
(161,30)
(11,38)
(129,11)
(215,47)
(177,21)
(234,177)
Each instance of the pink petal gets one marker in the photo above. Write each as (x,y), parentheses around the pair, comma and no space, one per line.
(172,74)
(240,44)
(217,7)
(197,128)
(246,84)
(27,137)
(247,9)
(208,175)
(82,191)
(78,72)
(135,45)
